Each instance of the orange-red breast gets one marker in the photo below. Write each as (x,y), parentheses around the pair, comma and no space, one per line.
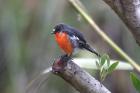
(70,39)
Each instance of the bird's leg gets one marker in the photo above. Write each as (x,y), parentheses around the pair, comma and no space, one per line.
(60,63)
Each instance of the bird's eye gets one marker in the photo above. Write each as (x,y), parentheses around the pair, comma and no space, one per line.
(58,28)
(53,29)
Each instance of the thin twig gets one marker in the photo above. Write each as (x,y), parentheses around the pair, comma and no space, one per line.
(87,17)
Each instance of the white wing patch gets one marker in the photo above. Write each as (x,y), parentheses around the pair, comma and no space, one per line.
(74,39)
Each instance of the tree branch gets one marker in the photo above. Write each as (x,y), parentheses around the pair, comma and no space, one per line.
(78,78)
(129,12)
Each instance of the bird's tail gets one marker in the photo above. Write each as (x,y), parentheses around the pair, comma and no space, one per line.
(87,47)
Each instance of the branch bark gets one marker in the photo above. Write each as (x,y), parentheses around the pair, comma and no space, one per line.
(78,78)
(129,12)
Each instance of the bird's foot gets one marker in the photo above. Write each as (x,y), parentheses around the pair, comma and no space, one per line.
(60,63)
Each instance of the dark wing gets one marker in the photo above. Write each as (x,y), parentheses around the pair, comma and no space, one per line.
(72,31)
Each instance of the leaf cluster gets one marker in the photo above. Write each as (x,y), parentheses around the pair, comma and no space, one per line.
(105,67)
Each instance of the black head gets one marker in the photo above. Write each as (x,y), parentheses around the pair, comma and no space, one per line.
(58,28)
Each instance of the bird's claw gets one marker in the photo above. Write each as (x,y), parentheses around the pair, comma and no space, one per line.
(60,63)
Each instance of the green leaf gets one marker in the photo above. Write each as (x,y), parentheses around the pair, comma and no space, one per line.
(103,59)
(112,67)
(108,60)
(135,81)
(103,74)
(103,71)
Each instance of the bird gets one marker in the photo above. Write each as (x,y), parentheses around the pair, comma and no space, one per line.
(70,39)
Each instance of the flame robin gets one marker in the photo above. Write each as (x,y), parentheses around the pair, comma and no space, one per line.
(70,39)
